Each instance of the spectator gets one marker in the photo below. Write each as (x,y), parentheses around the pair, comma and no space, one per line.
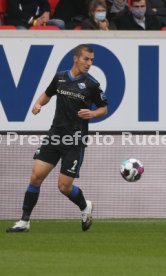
(158,7)
(136,18)
(71,12)
(115,6)
(97,17)
(25,13)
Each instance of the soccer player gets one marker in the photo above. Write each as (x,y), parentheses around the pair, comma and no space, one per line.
(76,90)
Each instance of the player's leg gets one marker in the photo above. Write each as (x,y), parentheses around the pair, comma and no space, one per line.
(73,192)
(40,171)
(46,158)
(71,163)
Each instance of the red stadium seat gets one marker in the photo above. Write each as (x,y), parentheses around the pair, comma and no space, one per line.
(53,4)
(7,27)
(78,28)
(2,6)
(129,2)
(2,10)
(44,28)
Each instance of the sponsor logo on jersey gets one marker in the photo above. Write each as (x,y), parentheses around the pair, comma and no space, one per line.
(71,94)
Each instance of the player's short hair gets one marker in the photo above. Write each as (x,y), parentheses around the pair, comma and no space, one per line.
(82,47)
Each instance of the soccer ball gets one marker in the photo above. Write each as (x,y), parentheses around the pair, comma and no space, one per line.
(131,170)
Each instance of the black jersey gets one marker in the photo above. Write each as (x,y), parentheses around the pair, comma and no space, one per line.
(74,94)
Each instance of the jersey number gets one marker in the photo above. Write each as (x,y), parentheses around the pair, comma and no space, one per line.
(74,166)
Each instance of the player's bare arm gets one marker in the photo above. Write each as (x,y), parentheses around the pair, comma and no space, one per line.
(89,114)
(42,100)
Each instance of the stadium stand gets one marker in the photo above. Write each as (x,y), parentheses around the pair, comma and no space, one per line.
(52,3)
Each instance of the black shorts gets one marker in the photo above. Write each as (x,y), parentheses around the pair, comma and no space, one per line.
(71,157)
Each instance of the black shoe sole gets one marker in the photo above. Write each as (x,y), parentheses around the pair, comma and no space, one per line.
(16,230)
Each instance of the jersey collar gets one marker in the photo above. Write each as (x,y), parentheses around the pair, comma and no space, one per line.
(75,79)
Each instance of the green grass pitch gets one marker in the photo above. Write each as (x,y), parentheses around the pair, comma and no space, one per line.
(60,248)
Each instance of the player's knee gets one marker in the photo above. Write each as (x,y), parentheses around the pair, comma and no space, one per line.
(63,188)
(36,178)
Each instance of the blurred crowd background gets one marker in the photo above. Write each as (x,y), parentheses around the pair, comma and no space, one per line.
(106,15)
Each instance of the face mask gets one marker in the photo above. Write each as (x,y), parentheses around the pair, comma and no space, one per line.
(138,12)
(100,16)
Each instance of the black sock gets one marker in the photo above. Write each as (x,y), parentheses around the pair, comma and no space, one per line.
(77,197)
(30,200)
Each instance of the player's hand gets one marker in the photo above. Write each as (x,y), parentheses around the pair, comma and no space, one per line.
(86,114)
(36,109)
